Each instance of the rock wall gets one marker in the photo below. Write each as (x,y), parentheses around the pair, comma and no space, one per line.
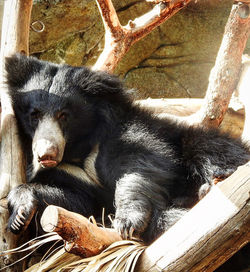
(174,60)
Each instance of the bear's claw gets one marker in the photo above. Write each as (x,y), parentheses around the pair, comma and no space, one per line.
(127,229)
(19,220)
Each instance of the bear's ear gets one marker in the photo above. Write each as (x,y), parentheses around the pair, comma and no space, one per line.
(19,70)
(97,83)
(107,83)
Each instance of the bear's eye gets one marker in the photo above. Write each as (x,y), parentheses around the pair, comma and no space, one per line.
(62,116)
(35,115)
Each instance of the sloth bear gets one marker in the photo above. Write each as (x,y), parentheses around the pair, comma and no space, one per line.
(89,147)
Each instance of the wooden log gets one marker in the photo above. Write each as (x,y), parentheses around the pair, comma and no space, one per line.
(216,228)
(82,237)
(15,30)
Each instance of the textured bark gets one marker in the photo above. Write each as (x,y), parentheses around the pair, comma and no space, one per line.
(15,30)
(215,229)
(82,237)
(225,74)
(118,38)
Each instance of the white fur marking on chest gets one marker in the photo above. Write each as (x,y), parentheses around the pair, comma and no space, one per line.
(88,173)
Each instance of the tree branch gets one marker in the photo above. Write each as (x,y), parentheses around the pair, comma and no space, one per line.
(180,109)
(82,237)
(225,74)
(118,39)
(142,26)
(109,17)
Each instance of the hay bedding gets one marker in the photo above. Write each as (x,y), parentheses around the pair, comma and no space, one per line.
(120,256)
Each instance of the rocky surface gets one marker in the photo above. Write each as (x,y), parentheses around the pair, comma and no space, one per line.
(174,60)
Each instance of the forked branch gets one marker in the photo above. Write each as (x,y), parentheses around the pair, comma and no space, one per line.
(118,38)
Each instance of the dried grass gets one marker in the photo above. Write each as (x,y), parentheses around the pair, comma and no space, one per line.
(120,256)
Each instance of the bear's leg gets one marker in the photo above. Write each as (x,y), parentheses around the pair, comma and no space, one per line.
(209,155)
(135,199)
(26,199)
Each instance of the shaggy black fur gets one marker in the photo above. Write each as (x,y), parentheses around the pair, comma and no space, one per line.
(149,170)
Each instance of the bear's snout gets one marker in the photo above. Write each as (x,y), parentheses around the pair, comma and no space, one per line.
(47,153)
(48,144)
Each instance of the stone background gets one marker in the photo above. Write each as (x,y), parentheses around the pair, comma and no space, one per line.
(174,60)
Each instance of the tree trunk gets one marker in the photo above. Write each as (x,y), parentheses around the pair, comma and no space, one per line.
(15,33)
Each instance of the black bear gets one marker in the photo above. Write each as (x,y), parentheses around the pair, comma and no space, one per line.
(89,147)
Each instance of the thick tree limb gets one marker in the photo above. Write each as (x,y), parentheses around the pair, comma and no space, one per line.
(225,74)
(118,38)
(216,228)
(82,237)
(15,30)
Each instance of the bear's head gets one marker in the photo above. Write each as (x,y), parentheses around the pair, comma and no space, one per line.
(59,107)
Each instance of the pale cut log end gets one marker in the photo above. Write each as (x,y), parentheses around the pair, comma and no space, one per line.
(49,219)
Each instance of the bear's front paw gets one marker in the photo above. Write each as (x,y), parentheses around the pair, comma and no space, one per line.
(21,217)
(22,206)
(132,225)
(17,220)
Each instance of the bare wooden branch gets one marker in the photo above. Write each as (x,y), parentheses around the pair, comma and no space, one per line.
(15,32)
(141,26)
(216,228)
(225,74)
(82,237)
(181,108)
(118,39)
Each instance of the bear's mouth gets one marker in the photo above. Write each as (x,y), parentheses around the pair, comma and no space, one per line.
(48,163)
